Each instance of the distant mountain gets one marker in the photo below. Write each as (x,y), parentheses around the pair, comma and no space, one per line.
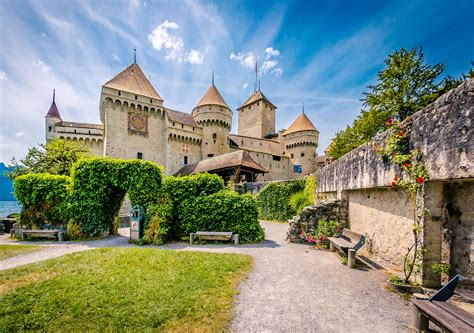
(6,185)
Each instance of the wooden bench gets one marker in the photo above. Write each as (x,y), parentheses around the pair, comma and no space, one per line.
(348,242)
(214,235)
(59,234)
(445,315)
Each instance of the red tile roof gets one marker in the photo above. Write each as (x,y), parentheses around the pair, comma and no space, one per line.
(212,97)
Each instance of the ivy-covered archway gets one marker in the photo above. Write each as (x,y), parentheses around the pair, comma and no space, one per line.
(99,186)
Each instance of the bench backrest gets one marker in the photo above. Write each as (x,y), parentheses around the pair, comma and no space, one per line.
(353,237)
(447,291)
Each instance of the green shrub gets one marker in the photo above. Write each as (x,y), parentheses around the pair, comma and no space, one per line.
(274,200)
(99,186)
(298,201)
(44,199)
(327,228)
(310,188)
(222,211)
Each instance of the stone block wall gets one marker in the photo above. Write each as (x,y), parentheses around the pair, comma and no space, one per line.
(307,221)
(443,131)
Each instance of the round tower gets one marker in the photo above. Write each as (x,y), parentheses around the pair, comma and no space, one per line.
(301,141)
(51,119)
(215,117)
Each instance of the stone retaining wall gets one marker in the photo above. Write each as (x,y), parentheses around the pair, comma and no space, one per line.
(443,131)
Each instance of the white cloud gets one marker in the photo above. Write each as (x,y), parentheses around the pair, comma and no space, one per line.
(20,134)
(116,58)
(245,59)
(277,71)
(271,52)
(195,57)
(63,25)
(245,85)
(161,39)
(3,76)
(268,65)
(45,69)
(134,3)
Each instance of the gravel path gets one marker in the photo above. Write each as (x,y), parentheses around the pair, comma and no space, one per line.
(292,287)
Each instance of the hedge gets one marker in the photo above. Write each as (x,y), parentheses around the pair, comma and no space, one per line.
(222,211)
(274,200)
(99,186)
(44,199)
(177,190)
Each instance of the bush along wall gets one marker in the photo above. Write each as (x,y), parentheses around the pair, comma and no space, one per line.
(222,211)
(44,199)
(99,186)
(176,191)
(274,200)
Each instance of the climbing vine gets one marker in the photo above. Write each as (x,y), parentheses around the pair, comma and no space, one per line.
(397,151)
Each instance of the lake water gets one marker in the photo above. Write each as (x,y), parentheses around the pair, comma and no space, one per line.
(9,207)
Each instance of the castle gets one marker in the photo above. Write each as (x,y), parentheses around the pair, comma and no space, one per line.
(136,124)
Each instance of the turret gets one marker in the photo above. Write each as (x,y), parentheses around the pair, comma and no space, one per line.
(257,116)
(301,141)
(51,119)
(215,117)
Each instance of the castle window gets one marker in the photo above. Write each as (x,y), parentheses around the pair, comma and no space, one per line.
(151,101)
(214,135)
(291,155)
(120,93)
(276,158)
(182,126)
(210,155)
(89,132)
(193,128)
(185,160)
(75,131)
(140,156)
(302,154)
(173,123)
(258,103)
(136,97)
(249,107)
(49,128)
(210,107)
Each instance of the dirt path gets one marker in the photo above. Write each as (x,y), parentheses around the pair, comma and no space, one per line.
(292,287)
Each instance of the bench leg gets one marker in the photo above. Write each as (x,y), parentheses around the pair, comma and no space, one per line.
(235,238)
(191,238)
(421,321)
(22,235)
(60,236)
(351,258)
(332,248)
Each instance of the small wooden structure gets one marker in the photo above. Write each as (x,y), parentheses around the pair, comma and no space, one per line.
(236,166)
(445,315)
(348,242)
(214,235)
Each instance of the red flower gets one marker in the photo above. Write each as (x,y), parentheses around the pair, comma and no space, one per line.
(395,178)
(389,121)
(400,134)
(420,180)
(393,184)
(406,165)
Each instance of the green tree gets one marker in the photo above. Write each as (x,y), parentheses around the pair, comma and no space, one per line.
(56,157)
(406,85)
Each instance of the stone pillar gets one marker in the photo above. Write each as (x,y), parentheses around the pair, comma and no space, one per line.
(432,232)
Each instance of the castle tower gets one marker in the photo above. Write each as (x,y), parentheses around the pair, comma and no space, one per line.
(134,118)
(301,141)
(215,117)
(51,119)
(257,116)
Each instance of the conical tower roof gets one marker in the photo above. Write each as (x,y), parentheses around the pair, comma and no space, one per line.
(134,81)
(302,123)
(212,97)
(53,109)
(255,97)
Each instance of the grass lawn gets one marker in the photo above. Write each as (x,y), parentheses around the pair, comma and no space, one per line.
(7,251)
(123,289)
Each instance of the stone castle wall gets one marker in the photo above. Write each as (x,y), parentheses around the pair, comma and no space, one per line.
(443,131)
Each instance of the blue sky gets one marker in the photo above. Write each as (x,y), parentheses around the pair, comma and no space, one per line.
(322,53)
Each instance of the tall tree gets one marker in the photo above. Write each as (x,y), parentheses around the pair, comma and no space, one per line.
(406,85)
(55,157)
